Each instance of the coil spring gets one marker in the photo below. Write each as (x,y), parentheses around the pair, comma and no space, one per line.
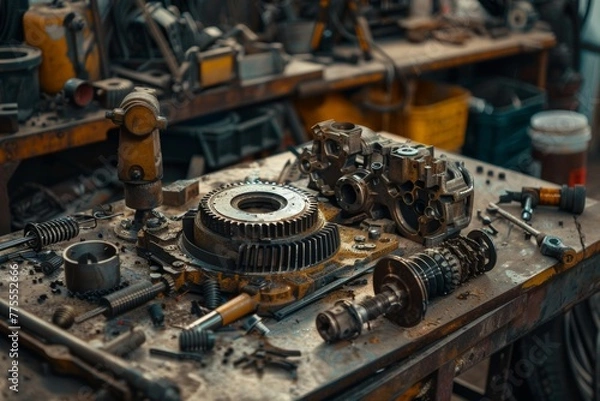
(51,232)
(212,293)
(196,340)
(64,316)
(131,297)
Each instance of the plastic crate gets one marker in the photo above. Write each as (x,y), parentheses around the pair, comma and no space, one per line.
(225,138)
(436,116)
(497,131)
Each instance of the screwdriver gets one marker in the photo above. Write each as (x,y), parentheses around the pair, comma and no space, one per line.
(549,245)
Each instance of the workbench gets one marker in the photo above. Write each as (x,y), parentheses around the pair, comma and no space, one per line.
(480,318)
(51,133)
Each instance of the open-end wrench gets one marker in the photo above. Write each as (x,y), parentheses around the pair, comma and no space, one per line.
(549,245)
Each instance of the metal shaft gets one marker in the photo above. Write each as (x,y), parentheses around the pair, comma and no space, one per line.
(549,245)
(90,314)
(15,242)
(493,208)
(158,390)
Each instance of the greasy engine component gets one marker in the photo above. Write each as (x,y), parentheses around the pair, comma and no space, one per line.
(269,355)
(92,265)
(111,92)
(68,46)
(126,342)
(569,199)
(64,316)
(20,83)
(39,235)
(196,340)
(404,286)
(549,245)
(140,160)
(141,383)
(429,198)
(211,293)
(264,228)
(79,92)
(129,298)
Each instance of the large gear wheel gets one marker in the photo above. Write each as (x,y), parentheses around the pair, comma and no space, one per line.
(258,210)
(262,228)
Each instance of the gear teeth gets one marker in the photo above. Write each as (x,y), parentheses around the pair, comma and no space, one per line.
(290,256)
(168,280)
(295,225)
(453,268)
(300,238)
(451,276)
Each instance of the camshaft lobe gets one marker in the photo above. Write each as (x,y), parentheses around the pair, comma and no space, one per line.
(404,285)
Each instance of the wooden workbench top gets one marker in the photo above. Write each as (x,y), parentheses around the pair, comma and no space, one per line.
(508,295)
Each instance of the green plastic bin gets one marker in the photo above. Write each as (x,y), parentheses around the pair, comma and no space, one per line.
(497,128)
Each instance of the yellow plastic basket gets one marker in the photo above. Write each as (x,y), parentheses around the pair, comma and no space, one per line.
(437,115)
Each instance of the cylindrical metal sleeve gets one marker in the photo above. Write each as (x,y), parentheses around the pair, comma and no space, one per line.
(92,265)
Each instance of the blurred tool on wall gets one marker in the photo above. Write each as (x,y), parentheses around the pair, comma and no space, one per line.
(63,32)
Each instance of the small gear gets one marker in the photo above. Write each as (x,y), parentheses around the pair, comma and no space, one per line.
(451,275)
(169,282)
(454,268)
(110,92)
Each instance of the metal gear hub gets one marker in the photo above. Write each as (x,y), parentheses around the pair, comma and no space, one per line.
(262,228)
(259,210)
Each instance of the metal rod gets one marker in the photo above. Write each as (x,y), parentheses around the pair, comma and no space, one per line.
(493,208)
(90,314)
(157,390)
(15,242)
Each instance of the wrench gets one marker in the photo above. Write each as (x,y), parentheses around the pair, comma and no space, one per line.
(549,245)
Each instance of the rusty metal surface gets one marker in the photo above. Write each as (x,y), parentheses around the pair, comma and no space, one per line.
(485,313)
(49,132)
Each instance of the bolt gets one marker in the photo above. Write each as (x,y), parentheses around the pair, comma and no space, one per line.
(374,233)
(136,173)
(178,264)
(153,222)
(360,238)
(255,322)
(126,224)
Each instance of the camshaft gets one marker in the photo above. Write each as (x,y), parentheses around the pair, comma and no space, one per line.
(403,286)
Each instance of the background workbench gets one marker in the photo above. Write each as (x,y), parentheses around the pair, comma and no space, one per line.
(459,330)
(50,132)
